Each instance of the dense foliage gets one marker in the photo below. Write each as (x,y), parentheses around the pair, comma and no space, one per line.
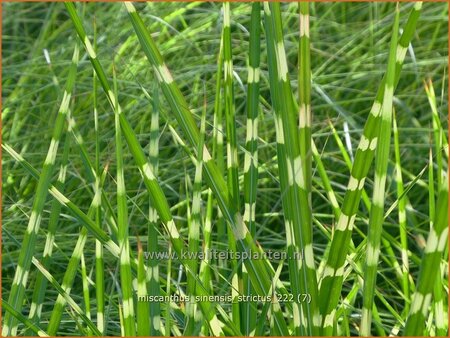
(317,129)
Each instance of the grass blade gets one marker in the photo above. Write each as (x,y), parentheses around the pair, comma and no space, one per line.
(194,225)
(232,156)
(304,132)
(251,156)
(85,282)
(122,218)
(218,134)
(153,226)
(98,191)
(67,283)
(402,219)
(143,308)
(218,155)
(376,217)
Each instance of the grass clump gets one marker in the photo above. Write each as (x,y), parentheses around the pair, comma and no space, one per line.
(251,130)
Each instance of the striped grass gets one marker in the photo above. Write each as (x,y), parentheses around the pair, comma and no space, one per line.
(26,254)
(251,156)
(434,248)
(71,272)
(153,227)
(429,283)
(41,283)
(406,288)
(377,206)
(143,318)
(69,300)
(85,282)
(205,271)
(293,187)
(64,201)
(257,269)
(194,226)
(441,146)
(232,155)
(332,277)
(20,317)
(99,260)
(67,283)
(158,199)
(122,218)
(278,184)
(218,134)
